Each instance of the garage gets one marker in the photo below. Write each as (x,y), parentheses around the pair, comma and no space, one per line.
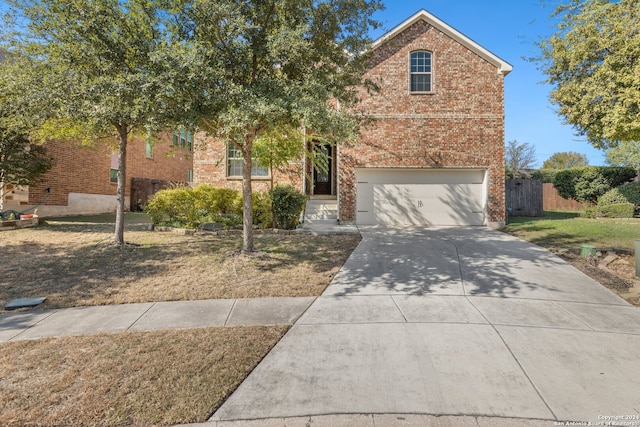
(420,196)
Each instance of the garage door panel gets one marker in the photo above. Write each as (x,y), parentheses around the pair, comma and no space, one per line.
(414,176)
(430,204)
(398,197)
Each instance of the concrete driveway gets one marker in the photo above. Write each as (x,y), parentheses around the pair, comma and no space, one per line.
(458,321)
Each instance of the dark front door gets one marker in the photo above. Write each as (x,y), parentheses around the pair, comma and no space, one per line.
(322,174)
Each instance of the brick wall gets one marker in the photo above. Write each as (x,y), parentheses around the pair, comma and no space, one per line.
(85,170)
(459,125)
(210,167)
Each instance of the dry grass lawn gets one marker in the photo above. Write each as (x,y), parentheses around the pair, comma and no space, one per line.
(144,378)
(75,264)
(135,378)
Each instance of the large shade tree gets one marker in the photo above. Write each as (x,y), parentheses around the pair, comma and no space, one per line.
(626,153)
(21,162)
(593,63)
(273,65)
(93,69)
(565,160)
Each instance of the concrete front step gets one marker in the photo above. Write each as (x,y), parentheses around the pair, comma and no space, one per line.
(321,212)
(308,221)
(318,217)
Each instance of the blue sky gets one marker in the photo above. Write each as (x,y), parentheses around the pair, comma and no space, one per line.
(509,29)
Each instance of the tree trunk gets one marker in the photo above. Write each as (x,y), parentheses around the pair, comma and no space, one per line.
(122,163)
(274,225)
(247,197)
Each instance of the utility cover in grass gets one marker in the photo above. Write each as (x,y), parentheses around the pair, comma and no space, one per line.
(24,303)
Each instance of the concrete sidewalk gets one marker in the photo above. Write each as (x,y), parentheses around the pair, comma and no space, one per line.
(436,323)
(151,316)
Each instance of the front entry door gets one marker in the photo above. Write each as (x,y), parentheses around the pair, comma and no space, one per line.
(322,175)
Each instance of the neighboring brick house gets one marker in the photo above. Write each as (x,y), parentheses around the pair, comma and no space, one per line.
(434,155)
(83,179)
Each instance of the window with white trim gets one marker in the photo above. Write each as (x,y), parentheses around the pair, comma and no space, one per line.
(113,171)
(149,148)
(234,164)
(183,139)
(420,72)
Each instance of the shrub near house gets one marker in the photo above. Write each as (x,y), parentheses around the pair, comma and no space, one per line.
(587,184)
(620,202)
(191,207)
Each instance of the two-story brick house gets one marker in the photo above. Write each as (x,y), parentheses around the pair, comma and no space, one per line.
(83,179)
(434,153)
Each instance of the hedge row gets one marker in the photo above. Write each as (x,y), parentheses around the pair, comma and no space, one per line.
(620,202)
(586,184)
(188,207)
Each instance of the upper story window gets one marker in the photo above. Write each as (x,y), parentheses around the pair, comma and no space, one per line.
(234,164)
(113,170)
(149,148)
(183,138)
(421,72)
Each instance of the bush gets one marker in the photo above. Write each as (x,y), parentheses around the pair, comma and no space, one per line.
(588,212)
(586,184)
(545,175)
(262,210)
(616,210)
(631,192)
(174,206)
(189,207)
(612,197)
(625,194)
(288,203)
(217,201)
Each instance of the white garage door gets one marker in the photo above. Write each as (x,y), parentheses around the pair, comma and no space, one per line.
(420,197)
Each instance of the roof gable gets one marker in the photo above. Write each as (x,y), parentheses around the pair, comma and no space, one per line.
(503,66)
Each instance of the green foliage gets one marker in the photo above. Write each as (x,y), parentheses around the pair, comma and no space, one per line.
(210,200)
(278,147)
(616,210)
(627,193)
(546,175)
(21,163)
(173,206)
(625,153)
(189,207)
(86,70)
(262,210)
(589,211)
(587,183)
(590,186)
(264,69)
(288,203)
(592,63)
(612,197)
(565,160)
(631,191)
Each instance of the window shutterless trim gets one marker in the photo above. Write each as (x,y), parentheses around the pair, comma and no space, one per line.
(425,63)
(237,165)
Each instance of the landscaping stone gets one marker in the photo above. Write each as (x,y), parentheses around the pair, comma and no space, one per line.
(24,303)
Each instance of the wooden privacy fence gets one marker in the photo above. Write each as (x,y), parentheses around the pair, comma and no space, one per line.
(551,200)
(523,197)
(143,188)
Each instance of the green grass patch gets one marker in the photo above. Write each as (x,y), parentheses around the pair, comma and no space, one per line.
(569,230)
